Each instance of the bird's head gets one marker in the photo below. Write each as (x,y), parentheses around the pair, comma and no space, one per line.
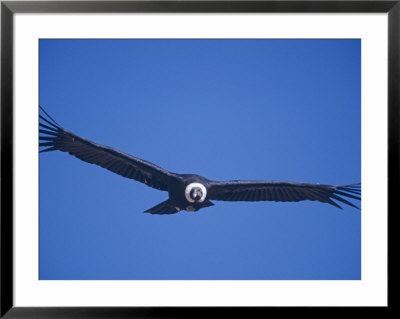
(195,193)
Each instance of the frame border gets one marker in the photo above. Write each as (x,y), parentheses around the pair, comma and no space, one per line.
(9,8)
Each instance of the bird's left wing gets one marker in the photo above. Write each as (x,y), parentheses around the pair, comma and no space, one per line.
(54,137)
(280,191)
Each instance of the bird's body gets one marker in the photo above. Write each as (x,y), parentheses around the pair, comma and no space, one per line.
(188,192)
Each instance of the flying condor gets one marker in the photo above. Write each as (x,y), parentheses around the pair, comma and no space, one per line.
(186,191)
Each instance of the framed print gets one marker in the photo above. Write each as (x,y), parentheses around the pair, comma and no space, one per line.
(218,152)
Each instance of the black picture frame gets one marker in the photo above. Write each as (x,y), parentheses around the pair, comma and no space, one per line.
(9,8)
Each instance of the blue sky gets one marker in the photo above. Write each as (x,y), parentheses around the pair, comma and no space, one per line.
(224,109)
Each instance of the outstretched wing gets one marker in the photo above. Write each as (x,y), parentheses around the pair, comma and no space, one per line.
(55,138)
(280,191)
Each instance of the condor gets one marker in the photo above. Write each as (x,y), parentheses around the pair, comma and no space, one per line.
(186,191)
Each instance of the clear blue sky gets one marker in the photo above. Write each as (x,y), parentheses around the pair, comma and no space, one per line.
(224,109)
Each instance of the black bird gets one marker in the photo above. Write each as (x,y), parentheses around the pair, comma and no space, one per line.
(186,191)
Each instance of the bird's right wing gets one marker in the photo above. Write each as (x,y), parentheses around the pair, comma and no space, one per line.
(56,138)
(280,191)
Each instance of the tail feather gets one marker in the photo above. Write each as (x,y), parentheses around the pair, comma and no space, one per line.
(164,208)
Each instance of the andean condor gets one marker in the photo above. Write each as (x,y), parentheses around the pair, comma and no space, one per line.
(186,191)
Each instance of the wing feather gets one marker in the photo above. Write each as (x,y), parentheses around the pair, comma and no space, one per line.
(54,137)
(281,191)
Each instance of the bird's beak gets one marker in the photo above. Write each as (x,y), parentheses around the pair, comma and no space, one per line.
(197,194)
